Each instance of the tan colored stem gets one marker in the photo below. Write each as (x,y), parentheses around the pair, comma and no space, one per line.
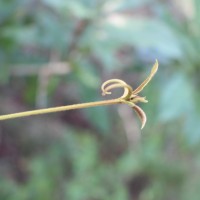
(129,97)
(61,108)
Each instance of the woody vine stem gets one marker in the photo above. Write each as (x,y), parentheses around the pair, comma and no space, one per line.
(129,97)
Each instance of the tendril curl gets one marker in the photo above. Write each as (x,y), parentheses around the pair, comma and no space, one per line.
(129,97)
(117,83)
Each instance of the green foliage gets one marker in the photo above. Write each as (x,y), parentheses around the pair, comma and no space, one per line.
(75,157)
(84,155)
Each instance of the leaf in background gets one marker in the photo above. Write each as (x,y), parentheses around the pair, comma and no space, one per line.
(121,5)
(75,8)
(89,87)
(177,101)
(99,116)
(86,73)
(192,128)
(145,33)
(151,35)
(176,98)
(104,45)
(4,73)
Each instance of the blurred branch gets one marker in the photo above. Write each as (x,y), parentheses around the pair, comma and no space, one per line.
(53,68)
(43,72)
(81,26)
(44,77)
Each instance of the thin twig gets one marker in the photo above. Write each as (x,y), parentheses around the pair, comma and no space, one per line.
(61,108)
(129,97)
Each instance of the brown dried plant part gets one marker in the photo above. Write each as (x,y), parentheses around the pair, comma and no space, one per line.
(129,97)
(137,98)
(141,114)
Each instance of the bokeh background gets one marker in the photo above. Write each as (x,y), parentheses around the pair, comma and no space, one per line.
(58,52)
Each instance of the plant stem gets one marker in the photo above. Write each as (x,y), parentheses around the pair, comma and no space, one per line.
(61,108)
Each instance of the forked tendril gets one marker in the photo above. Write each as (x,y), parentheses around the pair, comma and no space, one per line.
(129,97)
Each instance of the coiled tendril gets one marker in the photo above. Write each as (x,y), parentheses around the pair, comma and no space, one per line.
(129,97)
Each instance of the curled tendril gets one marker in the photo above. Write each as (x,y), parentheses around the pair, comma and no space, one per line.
(130,96)
(117,83)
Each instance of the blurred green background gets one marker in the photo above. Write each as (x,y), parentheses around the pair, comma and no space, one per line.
(58,52)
